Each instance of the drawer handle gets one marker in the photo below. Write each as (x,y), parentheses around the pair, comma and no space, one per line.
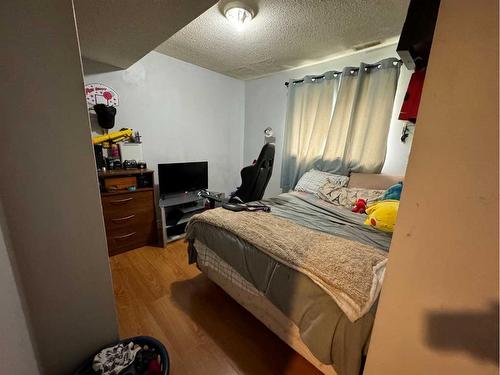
(122,200)
(117,220)
(124,236)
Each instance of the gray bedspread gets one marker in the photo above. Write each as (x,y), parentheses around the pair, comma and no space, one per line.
(323,326)
(312,212)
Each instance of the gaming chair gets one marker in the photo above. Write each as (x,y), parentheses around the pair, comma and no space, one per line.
(255,177)
(254,180)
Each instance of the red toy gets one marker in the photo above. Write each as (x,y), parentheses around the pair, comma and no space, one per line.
(359,206)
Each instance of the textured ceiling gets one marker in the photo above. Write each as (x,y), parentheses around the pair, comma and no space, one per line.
(284,34)
(117,33)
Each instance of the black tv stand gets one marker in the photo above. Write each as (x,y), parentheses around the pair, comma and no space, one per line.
(176,210)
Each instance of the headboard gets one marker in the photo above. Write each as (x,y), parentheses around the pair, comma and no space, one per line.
(373,181)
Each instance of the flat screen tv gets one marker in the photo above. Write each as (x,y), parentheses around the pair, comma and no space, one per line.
(182,177)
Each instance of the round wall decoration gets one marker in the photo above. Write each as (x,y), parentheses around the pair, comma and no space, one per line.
(97,93)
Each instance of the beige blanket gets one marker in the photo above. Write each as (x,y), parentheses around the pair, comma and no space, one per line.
(350,272)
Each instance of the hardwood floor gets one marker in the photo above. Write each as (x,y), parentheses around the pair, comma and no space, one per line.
(205,331)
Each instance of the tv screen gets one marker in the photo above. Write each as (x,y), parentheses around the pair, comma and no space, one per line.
(182,177)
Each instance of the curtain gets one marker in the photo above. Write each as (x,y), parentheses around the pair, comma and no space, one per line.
(339,123)
(309,110)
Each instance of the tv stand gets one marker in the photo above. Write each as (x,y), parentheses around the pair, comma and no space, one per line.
(176,210)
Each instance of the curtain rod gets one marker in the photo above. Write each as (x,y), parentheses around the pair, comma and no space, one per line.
(335,72)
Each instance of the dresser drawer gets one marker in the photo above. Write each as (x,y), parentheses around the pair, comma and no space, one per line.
(121,205)
(129,219)
(124,239)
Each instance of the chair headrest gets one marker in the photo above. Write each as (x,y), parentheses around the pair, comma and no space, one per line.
(267,152)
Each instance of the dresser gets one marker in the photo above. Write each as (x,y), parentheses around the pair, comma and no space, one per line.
(129,216)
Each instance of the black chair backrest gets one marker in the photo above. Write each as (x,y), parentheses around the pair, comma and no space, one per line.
(255,177)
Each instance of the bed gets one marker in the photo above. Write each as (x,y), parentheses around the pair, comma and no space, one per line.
(290,296)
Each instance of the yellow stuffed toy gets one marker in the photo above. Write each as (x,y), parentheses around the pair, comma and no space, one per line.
(382,215)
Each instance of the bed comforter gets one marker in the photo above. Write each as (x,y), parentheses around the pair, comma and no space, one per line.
(323,326)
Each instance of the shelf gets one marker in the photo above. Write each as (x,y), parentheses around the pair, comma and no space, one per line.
(124,172)
(184,219)
(185,205)
(179,199)
(198,207)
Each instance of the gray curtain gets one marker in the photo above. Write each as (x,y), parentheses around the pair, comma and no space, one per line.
(339,123)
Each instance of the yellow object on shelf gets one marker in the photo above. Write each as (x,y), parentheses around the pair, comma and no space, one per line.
(112,137)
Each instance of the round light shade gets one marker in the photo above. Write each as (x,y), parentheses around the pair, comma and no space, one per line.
(238,15)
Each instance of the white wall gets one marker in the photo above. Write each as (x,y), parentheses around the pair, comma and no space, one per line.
(188,113)
(265,105)
(184,113)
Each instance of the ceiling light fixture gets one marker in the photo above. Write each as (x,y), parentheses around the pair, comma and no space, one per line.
(238,14)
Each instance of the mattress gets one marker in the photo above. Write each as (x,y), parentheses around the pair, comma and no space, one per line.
(323,327)
(255,302)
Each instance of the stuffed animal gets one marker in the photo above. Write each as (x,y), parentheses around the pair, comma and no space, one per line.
(394,192)
(360,206)
(382,215)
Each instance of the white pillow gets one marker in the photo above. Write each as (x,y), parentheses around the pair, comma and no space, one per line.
(347,197)
(313,180)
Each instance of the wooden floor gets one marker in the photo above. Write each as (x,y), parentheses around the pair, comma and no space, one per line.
(205,331)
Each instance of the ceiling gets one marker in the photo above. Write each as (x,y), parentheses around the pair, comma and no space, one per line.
(284,34)
(116,33)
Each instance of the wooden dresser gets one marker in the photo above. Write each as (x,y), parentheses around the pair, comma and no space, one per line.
(129,216)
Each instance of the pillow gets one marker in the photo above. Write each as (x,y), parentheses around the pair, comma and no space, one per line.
(373,180)
(313,180)
(347,197)
(382,215)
